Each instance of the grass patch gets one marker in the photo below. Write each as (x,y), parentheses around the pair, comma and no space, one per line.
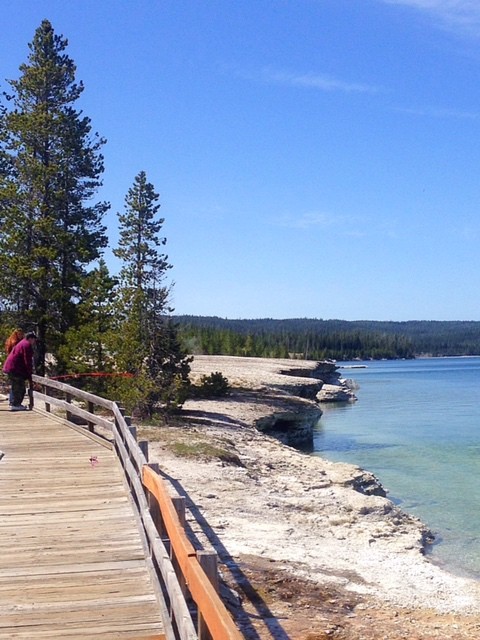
(204,450)
(188,443)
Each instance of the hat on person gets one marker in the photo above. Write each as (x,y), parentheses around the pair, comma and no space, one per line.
(31,334)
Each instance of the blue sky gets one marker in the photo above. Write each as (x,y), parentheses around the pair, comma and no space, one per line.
(315,158)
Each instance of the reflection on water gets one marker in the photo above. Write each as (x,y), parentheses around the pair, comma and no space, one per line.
(341,442)
(416,426)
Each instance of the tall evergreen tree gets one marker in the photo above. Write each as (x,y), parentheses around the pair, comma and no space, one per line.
(147,339)
(144,267)
(50,168)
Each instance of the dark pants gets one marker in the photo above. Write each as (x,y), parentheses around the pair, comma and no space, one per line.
(18,389)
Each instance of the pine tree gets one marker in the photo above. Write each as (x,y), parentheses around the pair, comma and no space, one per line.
(50,168)
(139,243)
(147,343)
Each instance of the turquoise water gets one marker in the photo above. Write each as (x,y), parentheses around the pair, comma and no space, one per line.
(416,425)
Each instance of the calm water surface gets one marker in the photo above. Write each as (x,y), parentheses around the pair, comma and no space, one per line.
(416,425)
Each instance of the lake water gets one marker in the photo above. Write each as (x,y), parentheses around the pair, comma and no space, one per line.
(416,425)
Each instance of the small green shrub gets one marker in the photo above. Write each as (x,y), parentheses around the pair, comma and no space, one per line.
(214,385)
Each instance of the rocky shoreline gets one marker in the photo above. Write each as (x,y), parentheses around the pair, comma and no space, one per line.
(308,549)
(286,393)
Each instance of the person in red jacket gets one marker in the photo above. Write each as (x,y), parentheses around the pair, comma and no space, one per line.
(13,339)
(19,368)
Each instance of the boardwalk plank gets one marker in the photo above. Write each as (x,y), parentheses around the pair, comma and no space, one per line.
(96,632)
(65,587)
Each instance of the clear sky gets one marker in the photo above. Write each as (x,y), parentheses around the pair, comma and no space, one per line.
(315,158)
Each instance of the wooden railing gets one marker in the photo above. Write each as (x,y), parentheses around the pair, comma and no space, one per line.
(184,574)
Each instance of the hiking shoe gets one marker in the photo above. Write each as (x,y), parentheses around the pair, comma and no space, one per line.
(20,407)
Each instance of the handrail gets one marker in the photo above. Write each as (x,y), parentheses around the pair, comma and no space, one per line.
(150,493)
(82,395)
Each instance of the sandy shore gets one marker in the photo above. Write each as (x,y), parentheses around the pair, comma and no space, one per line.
(305,553)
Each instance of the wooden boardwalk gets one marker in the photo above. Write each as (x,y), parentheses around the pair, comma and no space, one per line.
(72,558)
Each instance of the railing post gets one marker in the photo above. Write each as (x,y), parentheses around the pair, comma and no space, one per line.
(117,425)
(208,562)
(122,411)
(179,505)
(68,398)
(143,446)
(46,392)
(154,506)
(133,431)
(91,409)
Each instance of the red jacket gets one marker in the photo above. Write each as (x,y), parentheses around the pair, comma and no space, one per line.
(20,360)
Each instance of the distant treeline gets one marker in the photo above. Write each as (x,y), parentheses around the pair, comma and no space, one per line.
(322,339)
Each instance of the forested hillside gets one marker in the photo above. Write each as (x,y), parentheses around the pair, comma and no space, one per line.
(319,339)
